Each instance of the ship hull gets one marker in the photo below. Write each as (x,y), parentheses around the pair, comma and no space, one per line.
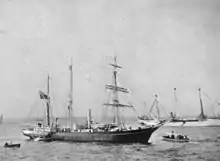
(131,136)
(196,123)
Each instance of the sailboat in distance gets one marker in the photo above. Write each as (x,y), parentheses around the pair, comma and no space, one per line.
(115,132)
(200,120)
(150,119)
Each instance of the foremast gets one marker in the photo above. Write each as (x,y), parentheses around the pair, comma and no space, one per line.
(115,88)
(46,97)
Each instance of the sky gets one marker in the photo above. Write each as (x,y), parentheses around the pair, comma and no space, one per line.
(160,44)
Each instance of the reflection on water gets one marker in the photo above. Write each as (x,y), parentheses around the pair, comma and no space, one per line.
(205,145)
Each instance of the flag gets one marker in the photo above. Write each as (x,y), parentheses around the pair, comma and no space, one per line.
(69,107)
(43,95)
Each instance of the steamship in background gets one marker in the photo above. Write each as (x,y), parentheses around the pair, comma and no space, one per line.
(116,132)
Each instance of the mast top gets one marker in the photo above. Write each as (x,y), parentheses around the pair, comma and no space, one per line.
(70,64)
(115,65)
(48,84)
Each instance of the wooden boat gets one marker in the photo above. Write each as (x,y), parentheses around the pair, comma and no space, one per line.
(165,138)
(115,132)
(175,140)
(175,137)
(10,145)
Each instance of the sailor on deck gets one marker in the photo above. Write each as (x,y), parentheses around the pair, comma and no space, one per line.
(172,135)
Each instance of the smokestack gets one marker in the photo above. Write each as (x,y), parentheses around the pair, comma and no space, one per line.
(89,118)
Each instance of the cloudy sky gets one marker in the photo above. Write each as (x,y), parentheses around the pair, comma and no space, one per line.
(160,44)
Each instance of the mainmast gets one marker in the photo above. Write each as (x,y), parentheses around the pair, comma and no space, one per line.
(176,102)
(70,103)
(48,100)
(115,99)
(115,89)
(201,105)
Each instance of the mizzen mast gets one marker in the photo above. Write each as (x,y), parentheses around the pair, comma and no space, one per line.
(115,88)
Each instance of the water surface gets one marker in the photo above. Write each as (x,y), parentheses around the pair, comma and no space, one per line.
(205,145)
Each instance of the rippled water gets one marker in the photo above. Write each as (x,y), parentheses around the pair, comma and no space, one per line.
(205,146)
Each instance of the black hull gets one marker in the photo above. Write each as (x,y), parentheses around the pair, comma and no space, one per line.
(12,145)
(131,136)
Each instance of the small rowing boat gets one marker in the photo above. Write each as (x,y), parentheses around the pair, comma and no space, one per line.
(176,138)
(10,145)
(165,138)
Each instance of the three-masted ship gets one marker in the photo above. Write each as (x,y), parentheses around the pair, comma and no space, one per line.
(115,132)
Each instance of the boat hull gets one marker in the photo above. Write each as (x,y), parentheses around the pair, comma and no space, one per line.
(131,136)
(198,123)
(12,145)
